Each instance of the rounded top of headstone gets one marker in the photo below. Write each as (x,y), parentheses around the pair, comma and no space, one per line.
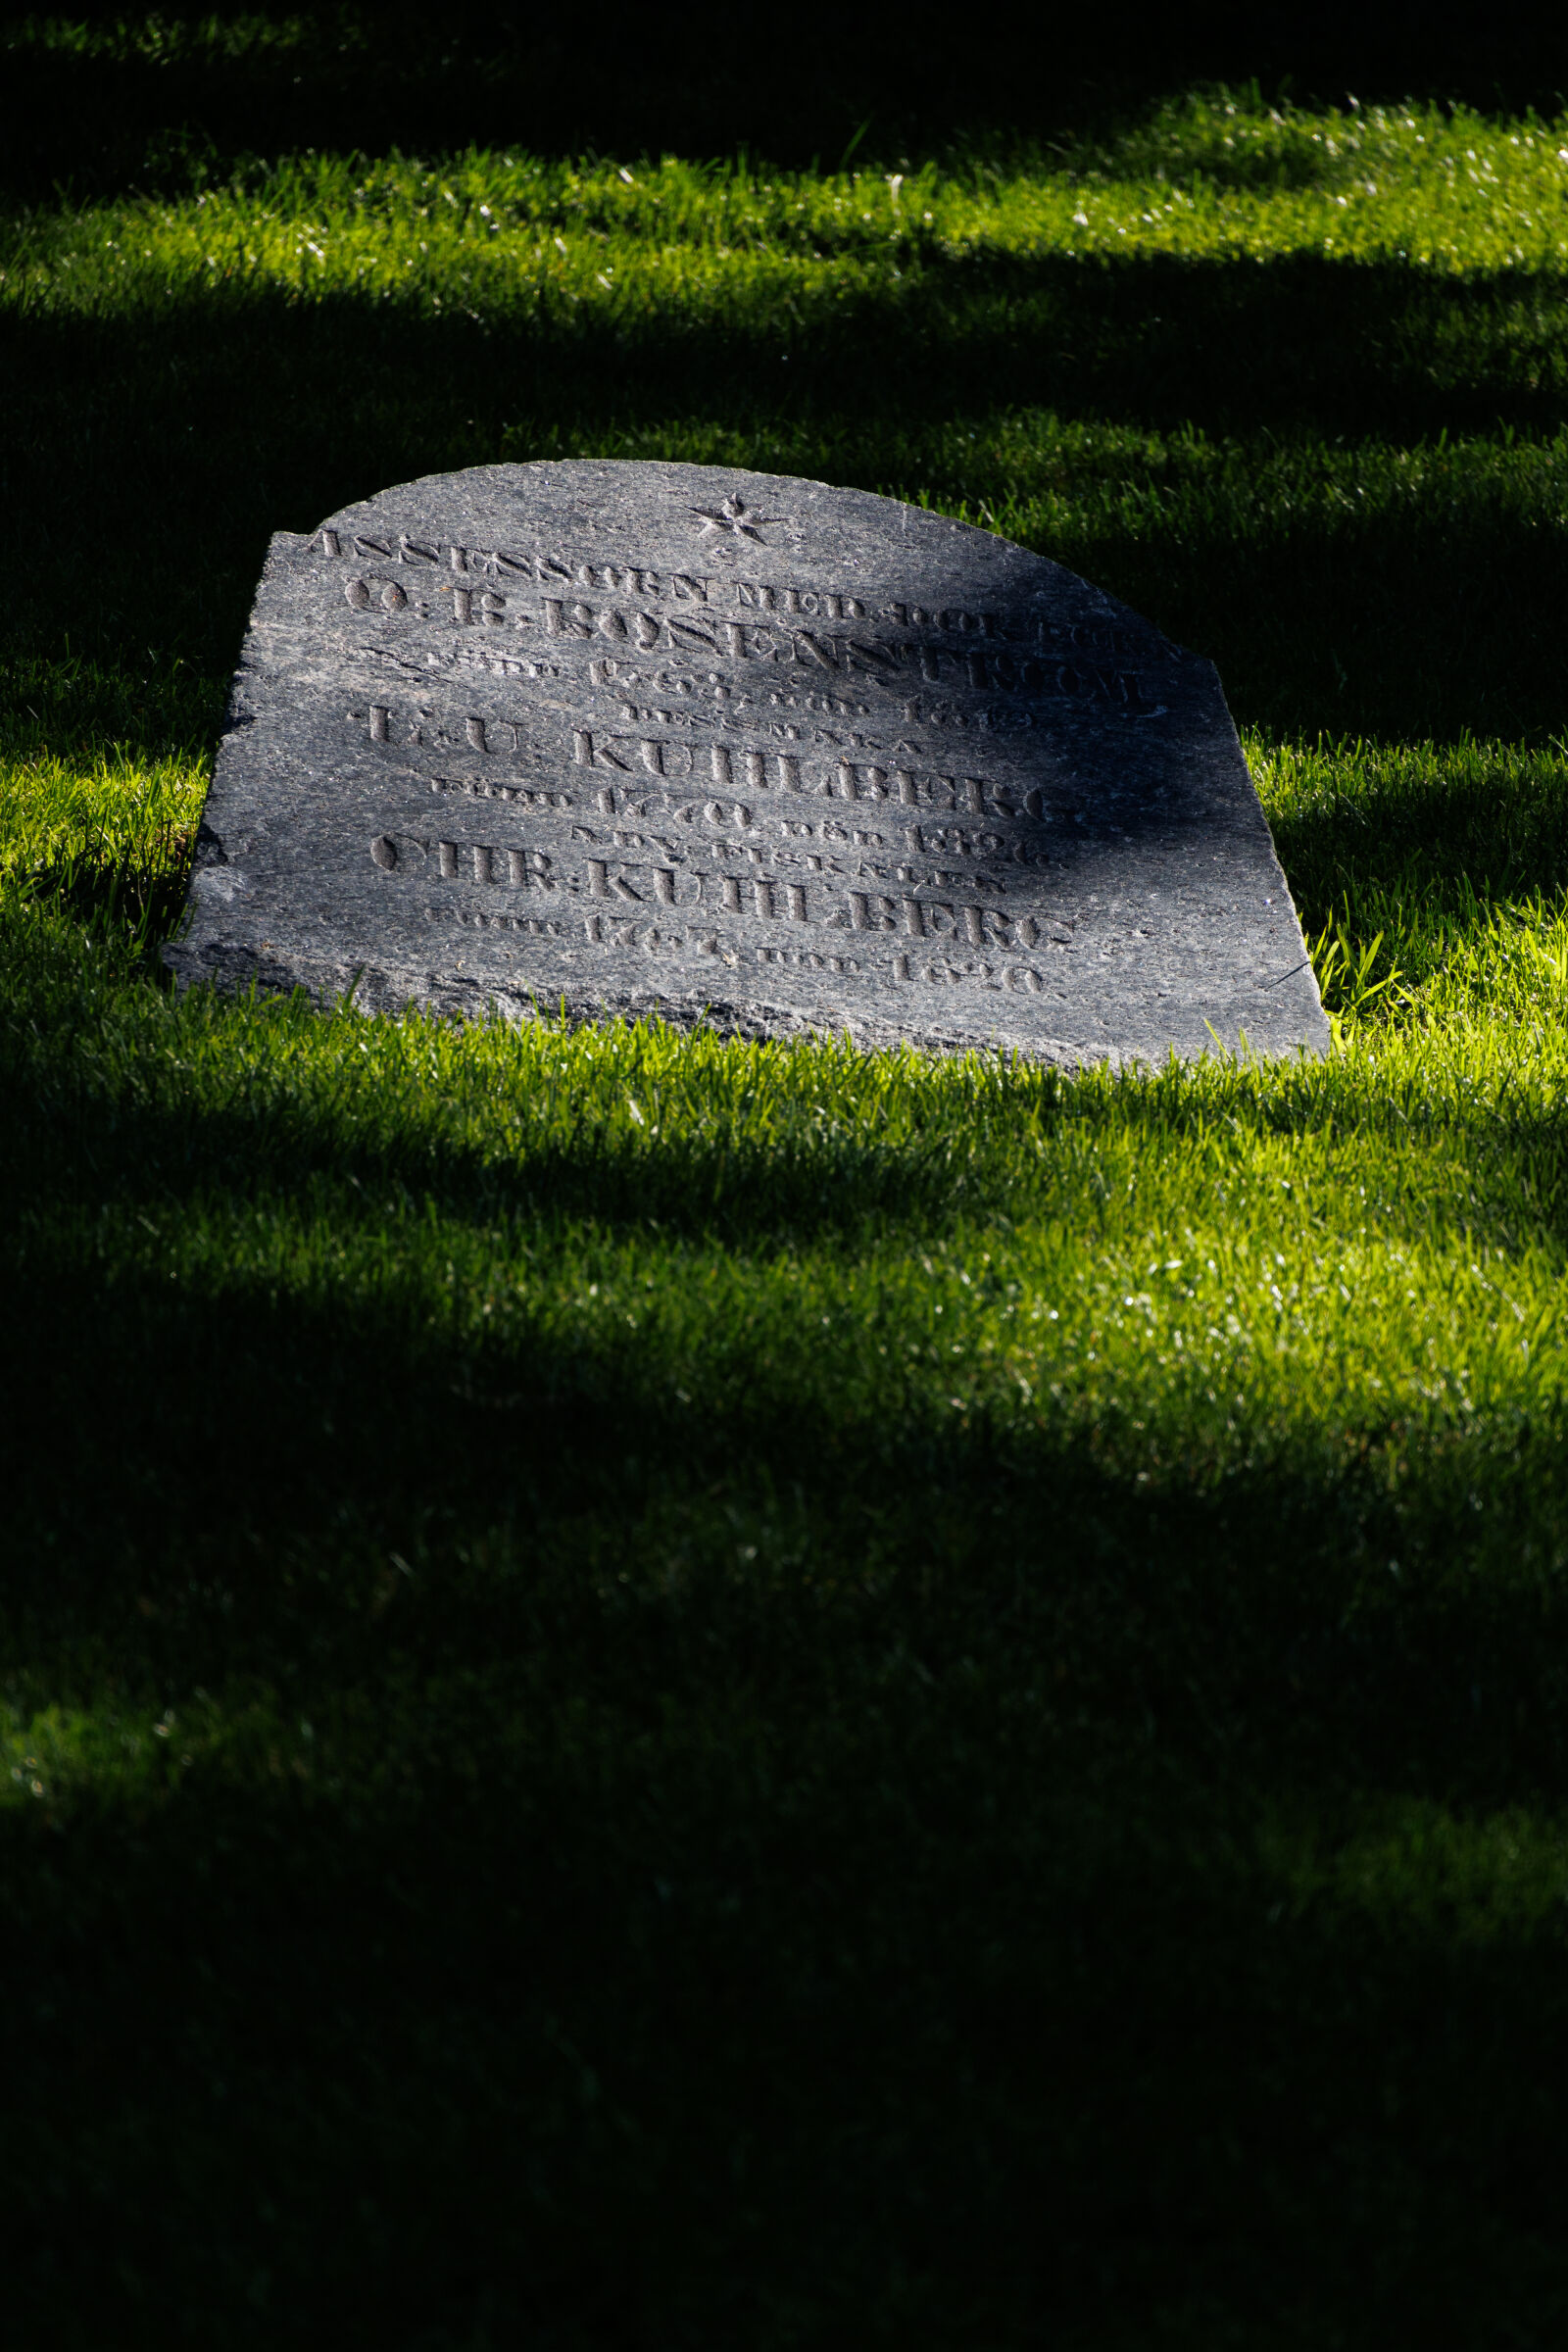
(727,521)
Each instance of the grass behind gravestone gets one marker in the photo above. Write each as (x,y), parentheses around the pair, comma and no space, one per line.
(659,1691)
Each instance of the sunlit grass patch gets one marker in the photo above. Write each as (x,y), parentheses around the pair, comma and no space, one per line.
(114,808)
(101,779)
(1436,188)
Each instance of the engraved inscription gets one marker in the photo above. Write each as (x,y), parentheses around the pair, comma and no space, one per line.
(825,774)
(484,789)
(1014,976)
(634,579)
(603,735)
(1027,659)
(483,919)
(754,894)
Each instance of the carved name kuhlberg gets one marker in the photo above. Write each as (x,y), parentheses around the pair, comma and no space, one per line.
(735,748)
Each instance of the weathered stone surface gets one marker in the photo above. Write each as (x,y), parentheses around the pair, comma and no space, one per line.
(730,747)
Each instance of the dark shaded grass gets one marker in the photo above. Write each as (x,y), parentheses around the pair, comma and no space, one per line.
(1323,588)
(133,900)
(145,702)
(170,107)
(959,2137)
(1450,841)
(517,1992)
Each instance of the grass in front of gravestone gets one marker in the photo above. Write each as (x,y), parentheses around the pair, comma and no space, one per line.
(751,1694)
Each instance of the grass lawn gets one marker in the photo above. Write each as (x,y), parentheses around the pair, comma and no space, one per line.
(658,1692)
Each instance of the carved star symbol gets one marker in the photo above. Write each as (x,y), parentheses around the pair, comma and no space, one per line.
(734,518)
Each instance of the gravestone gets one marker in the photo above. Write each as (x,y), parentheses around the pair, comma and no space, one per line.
(738,749)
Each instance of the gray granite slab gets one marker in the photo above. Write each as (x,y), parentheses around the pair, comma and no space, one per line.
(735,748)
